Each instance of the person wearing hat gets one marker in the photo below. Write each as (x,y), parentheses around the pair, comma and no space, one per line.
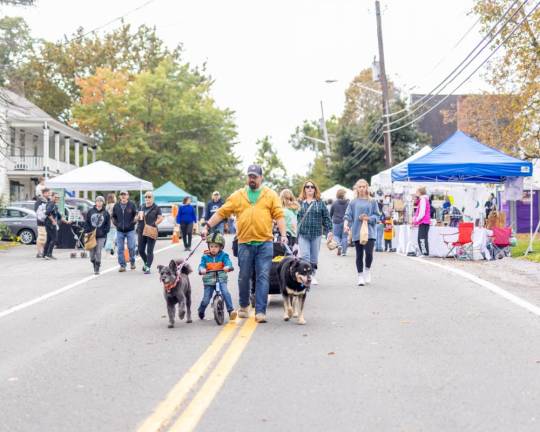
(98,221)
(212,207)
(124,217)
(255,207)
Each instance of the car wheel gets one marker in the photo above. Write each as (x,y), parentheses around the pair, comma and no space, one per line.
(27,236)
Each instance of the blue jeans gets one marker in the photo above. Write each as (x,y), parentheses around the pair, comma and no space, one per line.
(120,241)
(341,237)
(309,250)
(258,258)
(380,231)
(209,291)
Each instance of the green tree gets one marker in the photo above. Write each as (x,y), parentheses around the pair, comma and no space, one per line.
(161,124)
(15,48)
(274,172)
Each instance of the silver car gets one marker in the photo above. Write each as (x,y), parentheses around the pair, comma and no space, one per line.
(22,222)
(166,227)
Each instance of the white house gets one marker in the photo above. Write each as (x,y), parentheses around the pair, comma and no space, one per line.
(34,144)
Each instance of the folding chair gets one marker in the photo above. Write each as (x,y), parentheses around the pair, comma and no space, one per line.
(499,246)
(463,247)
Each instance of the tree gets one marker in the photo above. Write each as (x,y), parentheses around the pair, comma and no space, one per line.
(160,125)
(274,172)
(516,72)
(15,47)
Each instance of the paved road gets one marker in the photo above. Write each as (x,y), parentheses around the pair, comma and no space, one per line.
(418,350)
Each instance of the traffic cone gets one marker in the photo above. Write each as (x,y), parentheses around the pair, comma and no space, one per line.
(175,238)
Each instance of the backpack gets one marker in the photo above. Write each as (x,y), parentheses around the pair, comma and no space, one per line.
(41,212)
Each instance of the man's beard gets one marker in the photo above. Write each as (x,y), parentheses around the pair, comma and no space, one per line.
(253,185)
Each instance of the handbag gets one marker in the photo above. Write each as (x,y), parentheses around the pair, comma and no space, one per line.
(149,230)
(364,233)
(90,241)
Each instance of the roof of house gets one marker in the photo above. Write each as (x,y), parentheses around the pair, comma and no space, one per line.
(21,111)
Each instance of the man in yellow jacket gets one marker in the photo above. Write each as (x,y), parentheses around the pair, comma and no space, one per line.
(255,207)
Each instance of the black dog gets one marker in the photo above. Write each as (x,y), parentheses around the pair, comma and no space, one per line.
(176,289)
(295,281)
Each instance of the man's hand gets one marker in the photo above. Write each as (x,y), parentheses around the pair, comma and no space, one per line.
(204,231)
(284,240)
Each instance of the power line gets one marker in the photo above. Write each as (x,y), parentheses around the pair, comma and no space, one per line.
(109,22)
(422,102)
(472,73)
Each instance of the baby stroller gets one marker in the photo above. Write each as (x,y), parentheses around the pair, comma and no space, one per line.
(77,228)
(499,246)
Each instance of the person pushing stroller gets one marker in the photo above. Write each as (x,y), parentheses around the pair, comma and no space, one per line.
(214,266)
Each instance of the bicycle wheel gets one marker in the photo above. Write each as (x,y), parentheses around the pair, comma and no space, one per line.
(219,309)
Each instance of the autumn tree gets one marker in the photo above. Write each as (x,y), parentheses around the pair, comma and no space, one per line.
(274,172)
(516,74)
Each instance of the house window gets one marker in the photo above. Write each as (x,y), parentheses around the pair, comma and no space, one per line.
(22,143)
(35,146)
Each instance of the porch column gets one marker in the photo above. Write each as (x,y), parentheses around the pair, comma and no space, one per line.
(77,157)
(57,150)
(45,150)
(85,162)
(94,149)
(66,144)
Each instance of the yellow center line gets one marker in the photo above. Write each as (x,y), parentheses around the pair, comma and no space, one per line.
(166,409)
(191,416)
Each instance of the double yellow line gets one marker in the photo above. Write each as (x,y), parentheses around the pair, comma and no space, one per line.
(190,416)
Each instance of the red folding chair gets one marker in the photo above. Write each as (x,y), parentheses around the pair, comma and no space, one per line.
(499,244)
(463,247)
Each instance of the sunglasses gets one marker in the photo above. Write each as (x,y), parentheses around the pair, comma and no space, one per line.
(309,187)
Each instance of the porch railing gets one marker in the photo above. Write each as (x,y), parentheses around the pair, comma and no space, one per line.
(35,163)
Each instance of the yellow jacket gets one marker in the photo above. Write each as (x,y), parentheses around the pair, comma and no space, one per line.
(254,222)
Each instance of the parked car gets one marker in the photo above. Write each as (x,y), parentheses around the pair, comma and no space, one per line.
(24,204)
(166,227)
(81,204)
(21,222)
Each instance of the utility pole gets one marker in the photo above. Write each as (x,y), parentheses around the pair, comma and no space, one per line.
(325,131)
(384,85)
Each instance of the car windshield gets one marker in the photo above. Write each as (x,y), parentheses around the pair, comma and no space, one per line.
(166,210)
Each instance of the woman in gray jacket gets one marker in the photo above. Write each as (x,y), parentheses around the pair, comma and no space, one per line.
(361,209)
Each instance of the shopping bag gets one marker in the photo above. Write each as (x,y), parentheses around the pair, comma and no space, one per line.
(364,233)
(90,240)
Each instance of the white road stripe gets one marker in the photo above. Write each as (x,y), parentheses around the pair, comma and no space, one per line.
(486,284)
(59,291)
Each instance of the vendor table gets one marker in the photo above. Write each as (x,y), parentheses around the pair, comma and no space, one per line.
(406,240)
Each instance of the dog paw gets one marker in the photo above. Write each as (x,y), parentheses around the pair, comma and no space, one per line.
(286,317)
(290,312)
(171,325)
(301,321)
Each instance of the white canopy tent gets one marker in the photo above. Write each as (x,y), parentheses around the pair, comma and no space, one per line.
(98,176)
(331,193)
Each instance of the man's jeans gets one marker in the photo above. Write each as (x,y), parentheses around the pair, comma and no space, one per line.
(341,237)
(380,232)
(120,241)
(258,258)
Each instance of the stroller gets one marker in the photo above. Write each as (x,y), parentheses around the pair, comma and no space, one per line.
(499,246)
(77,228)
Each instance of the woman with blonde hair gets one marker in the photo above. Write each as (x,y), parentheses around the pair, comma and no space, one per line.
(291,207)
(313,220)
(362,209)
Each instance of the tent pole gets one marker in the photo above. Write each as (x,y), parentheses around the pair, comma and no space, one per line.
(140,195)
(531,235)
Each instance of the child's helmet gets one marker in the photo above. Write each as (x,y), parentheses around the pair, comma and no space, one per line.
(216,238)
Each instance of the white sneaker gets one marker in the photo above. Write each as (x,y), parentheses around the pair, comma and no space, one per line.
(367,276)
(314,281)
(361,281)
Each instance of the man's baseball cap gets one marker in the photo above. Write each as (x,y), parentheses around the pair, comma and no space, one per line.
(254,170)
(124,192)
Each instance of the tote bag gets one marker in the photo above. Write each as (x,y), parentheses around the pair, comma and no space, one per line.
(364,233)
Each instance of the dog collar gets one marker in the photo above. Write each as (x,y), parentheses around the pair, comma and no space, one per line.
(170,286)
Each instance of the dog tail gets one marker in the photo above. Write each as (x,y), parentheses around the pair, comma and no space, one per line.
(186,268)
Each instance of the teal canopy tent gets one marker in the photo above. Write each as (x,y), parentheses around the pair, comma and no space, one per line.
(169,193)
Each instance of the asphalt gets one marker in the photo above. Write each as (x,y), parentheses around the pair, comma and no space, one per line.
(419,349)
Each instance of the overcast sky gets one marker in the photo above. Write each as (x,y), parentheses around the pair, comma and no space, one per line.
(270,58)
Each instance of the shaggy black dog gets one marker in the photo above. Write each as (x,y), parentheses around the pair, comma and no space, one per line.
(176,289)
(295,281)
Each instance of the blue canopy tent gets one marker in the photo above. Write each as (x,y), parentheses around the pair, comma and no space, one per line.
(169,193)
(463,159)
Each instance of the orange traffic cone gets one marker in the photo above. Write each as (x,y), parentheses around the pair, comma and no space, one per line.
(175,238)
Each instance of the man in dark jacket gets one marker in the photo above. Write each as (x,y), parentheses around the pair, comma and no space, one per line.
(212,207)
(337,213)
(52,225)
(124,217)
(40,207)
(98,219)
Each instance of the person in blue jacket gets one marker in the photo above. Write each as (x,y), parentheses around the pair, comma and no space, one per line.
(186,217)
